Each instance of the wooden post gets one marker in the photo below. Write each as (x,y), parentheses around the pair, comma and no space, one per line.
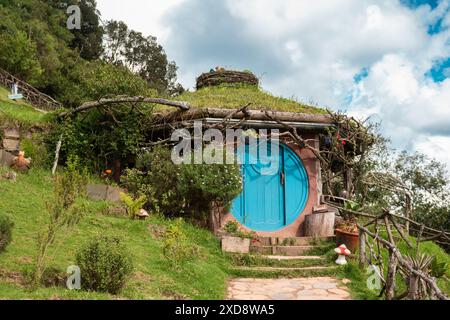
(408,210)
(362,249)
(58,148)
(413,287)
(117,164)
(320,224)
(390,279)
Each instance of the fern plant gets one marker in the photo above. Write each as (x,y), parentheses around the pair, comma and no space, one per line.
(133,206)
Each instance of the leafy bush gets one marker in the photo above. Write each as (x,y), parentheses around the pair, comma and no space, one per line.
(64,211)
(133,205)
(6,226)
(105,264)
(231,227)
(176,247)
(36,150)
(182,189)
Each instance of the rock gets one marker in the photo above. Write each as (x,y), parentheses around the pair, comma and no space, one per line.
(320,209)
(6,158)
(346,281)
(324,285)
(12,176)
(113,194)
(235,244)
(11,144)
(143,214)
(339,292)
(282,296)
(103,192)
(12,133)
(312,292)
(97,191)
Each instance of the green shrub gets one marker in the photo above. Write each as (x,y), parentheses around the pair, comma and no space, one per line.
(36,150)
(65,211)
(176,190)
(133,206)
(100,138)
(6,226)
(176,247)
(105,264)
(231,227)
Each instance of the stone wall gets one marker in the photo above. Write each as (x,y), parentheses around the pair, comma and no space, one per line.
(9,146)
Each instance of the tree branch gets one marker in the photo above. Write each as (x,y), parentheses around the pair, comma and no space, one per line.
(184,106)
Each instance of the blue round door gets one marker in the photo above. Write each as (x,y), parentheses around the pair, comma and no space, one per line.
(275,188)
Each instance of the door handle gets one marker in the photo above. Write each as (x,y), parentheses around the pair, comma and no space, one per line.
(282,178)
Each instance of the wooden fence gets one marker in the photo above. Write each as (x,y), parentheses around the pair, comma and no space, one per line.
(414,269)
(32,95)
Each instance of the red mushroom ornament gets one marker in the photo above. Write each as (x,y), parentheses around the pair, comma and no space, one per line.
(342,252)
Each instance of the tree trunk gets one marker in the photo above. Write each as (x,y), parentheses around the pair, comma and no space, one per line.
(362,249)
(408,210)
(320,224)
(390,279)
(413,287)
(58,149)
(117,170)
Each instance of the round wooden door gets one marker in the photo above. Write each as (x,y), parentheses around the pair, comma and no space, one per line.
(275,192)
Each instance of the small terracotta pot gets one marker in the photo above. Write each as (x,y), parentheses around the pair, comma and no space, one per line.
(351,240)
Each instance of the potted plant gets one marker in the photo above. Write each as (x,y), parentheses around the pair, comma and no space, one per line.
(347,230)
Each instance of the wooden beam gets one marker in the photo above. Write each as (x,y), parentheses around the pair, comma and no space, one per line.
(184,106)
(254,114)
(431,281)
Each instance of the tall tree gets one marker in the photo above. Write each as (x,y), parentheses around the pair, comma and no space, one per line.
(88,39)
(142,55)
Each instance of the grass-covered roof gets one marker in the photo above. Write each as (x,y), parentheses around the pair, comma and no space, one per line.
(233,96)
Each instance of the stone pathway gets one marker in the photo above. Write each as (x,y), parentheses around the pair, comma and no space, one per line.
(321,288)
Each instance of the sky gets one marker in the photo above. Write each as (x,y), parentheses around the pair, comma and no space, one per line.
(384,59)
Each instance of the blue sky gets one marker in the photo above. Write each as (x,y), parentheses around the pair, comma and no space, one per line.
(387,59)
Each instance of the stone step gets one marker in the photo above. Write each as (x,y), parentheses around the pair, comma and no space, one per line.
(287,269)
(280,258)
(281,250)
(293,241)
(11,144)
(11,133)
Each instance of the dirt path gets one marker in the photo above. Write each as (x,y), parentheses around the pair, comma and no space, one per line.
(321,288)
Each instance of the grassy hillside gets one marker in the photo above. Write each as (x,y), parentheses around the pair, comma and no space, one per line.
(205,277)
(19,111)
(24,202)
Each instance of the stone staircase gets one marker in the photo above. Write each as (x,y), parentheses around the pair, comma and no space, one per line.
(286,257)
(9,145)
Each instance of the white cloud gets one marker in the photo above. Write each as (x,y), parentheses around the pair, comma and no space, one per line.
(313,50)
(409,104)
(142,15)
(436,147)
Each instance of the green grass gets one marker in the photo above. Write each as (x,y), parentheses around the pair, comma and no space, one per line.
(202,278)
(332,272)
(235,96)
(259,260)
(18,111)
